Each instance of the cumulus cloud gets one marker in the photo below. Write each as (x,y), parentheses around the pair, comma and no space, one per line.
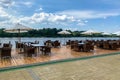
(48,17)
(6,16)
(61,18)
(66,18)
(51,20)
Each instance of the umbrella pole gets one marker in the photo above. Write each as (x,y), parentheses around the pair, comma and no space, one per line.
(64,39)
(19,39)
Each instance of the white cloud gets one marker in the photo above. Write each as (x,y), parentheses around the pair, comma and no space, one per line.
(6,3)
(4,15)
(61,18)
(89,14)
(51,19)
(40,9)
(7,19)
(28,4)
(47,17)
(78,18)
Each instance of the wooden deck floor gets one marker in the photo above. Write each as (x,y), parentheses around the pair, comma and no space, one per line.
(102,68)
(57,53)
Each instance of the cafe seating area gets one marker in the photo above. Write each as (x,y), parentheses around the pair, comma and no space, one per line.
(88,45)
(109,44)
(81,46)
(51,50)
(30,49)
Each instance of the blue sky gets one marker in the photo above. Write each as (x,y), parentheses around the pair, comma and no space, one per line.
(100,15)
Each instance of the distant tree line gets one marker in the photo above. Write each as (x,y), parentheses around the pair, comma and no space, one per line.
(50,32)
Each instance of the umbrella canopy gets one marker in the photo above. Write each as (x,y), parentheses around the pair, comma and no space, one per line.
(64,32)
(105,33)
(90,32)
(18,28)
(117,33)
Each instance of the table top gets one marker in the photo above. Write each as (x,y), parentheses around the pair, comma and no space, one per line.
(81,43)
(36,45)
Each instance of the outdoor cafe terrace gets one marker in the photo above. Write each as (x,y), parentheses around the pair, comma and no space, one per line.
(26,53)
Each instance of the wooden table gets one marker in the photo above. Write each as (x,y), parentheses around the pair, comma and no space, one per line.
(81,46)
(37,46)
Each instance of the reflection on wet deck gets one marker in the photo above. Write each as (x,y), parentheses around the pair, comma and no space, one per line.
(63,52)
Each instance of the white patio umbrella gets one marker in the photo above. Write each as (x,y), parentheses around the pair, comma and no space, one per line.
(117,33)
(18,28)
(106,33)
(64,32)
(90,32)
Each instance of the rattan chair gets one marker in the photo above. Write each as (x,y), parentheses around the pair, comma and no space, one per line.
(45,50)
(88,47)
(56,44)
(5,52)
(29,51)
